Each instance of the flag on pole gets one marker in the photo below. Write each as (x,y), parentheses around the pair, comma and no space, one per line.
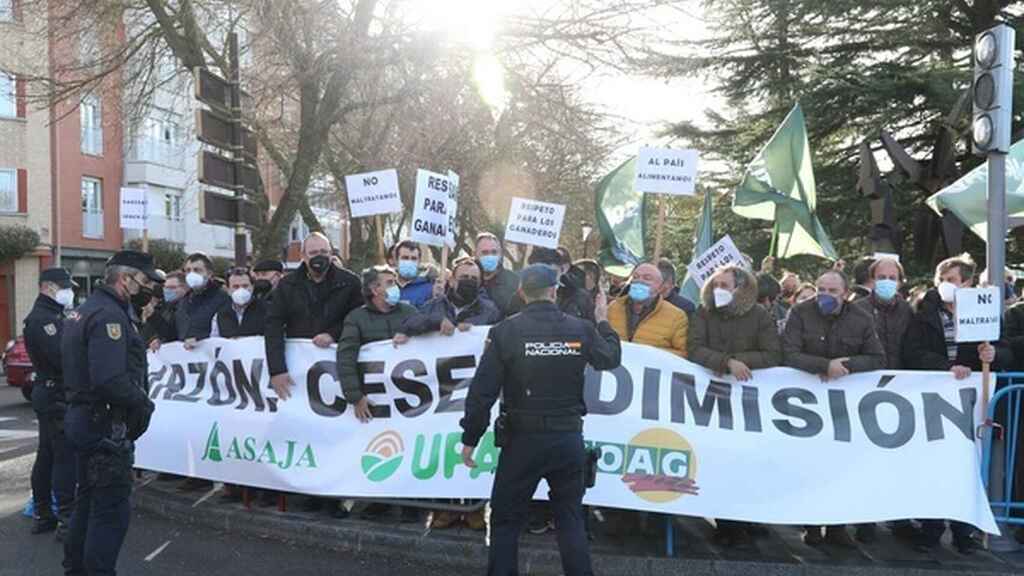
(703,238)
(620,218)
(779,186)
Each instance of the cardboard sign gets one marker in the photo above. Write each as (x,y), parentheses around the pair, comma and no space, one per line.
(430,214)
(534,222)
(666,171)
(134,208)
(720,254)
(453,209)
(978,314)
(886,256)
(373,193)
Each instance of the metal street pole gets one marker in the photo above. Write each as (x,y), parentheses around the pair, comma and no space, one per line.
(241,257)
(995,250)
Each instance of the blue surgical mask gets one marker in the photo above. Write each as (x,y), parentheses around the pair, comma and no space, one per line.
(393,295)
(170,295)
(886,289)
(408,269)
(639,292)
(827,304)
(489,262)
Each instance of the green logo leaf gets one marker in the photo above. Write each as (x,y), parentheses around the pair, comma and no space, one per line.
(379,469)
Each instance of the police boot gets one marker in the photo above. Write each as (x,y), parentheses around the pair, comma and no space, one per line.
(42,523)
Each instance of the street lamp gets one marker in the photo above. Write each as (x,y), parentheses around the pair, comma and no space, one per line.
(587,229)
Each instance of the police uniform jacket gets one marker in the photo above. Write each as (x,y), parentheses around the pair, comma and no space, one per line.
(536,361)
(44,326)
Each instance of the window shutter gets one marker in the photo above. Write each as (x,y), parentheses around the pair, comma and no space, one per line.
(22,191)
(20,98)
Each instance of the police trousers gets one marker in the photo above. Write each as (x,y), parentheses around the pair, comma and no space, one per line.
(102,510)
(53,471)
(557,457)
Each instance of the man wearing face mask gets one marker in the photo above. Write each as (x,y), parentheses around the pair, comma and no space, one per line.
(643,317)
(265,276)
(105,377)
(462,306)
(832,338)
(247,315)
(499,283)
(205,298)
(572,298)
(416,289)
(53,471)
(161,326)
(381,318)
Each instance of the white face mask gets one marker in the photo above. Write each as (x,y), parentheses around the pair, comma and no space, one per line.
(947,291)
(65,297)
(723,297)
(241,297)
(195,280)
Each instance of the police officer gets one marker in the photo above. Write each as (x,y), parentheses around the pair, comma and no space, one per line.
(105,371)
(53,471)
(536,360)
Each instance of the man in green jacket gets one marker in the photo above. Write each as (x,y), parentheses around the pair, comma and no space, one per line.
(379,319)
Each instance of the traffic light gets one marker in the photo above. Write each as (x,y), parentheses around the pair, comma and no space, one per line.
(992,90)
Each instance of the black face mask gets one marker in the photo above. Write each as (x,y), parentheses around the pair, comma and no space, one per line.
(466,291)
(319,264)
(261,287)
(141,299)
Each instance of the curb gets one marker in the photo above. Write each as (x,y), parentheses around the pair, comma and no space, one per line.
(354,536)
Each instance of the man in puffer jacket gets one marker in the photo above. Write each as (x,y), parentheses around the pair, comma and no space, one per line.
(463,305)
(643,317)
(731,334)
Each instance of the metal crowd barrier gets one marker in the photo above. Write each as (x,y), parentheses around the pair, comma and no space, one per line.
(1002,466)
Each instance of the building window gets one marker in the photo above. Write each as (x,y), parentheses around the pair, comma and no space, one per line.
(6,10)
(92,208)
(159,141)
(7,96)
(92,125)
(88,45)
(8,190)
(172,207)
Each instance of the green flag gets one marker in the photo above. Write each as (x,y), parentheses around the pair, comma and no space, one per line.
(703,238)
(620,218)
(967,198)
(779,186)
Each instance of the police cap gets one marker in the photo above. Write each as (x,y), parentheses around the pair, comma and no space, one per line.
(58,276)
(268,266)
(538,276)
(139,260)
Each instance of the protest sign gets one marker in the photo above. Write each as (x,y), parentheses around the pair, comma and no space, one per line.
(666,171)
(886,256)
(720,254)
(453,210)
(534,222)
(978,313)
(430,212)
(134,209)
(674,438)
(373,193)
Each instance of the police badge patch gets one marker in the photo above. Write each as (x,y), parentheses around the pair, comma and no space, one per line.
(50,330)
(114,331)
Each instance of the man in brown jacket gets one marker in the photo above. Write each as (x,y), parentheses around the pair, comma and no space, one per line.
(832,338)
(731,334)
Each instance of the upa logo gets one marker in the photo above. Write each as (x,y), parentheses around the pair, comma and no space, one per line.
(383,456)
(658,465)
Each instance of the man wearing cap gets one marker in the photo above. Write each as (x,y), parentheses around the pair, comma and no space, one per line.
(535,361)
(53,471)
(105,377)
(265,276)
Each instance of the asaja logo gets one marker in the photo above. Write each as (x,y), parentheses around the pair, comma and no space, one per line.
(383,456)
(657,465)
(248,449)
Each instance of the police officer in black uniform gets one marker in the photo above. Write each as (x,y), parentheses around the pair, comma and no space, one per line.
(105,371)
(54,469)
(536,360)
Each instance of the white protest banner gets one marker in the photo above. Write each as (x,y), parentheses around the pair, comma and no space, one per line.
(453,209)
(534,222)
(675,438)
(666,171)
(720,254)
(373,193)
(886,256)
(978,313)
(430,213)
(134,209)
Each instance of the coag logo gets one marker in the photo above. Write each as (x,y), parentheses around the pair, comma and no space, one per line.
(383,456)
(657,465)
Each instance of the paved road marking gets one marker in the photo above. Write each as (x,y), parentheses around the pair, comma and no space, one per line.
(217,486)
(154,553)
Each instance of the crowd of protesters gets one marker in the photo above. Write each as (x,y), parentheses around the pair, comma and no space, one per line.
(742,320)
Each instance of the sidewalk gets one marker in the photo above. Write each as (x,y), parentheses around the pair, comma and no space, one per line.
(637,551)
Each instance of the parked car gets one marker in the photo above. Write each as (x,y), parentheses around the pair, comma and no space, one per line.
(18,367)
